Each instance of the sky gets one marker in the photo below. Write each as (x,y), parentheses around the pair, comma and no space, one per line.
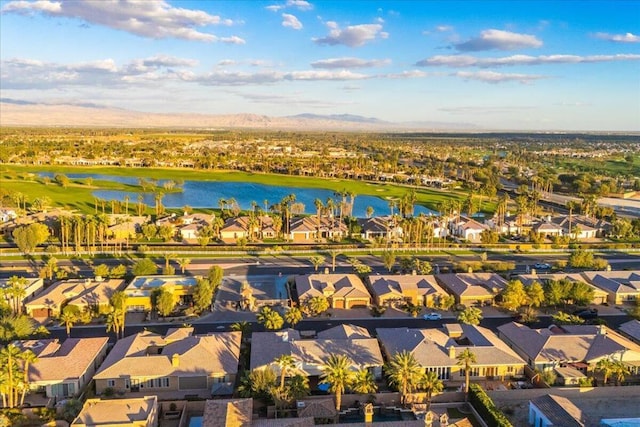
(516,65)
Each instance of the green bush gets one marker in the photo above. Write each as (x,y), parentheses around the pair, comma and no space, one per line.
(486,408)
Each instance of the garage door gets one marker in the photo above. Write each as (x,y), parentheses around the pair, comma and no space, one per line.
(187,383)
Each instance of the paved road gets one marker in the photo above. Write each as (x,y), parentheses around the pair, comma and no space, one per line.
(370,324)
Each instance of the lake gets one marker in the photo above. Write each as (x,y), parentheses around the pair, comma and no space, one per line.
(206,194)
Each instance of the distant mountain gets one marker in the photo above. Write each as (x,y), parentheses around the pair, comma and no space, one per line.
(25,113)
(341,118)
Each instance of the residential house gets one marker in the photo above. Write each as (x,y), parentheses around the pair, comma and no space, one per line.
(310,354)
(141,288)
(421,290)
(599,296)
(64,369)
(472,288)
(468,229)
(342,290)
(227,412)
(189,225)
(306,229)
(85,294)
(31,288)
(621,286)
(380,228)
(134,412)
(548,229)
(577,346)
(550,410)
(125,227)
(436,350)
(580,226)
(235,228)
(7,214)
(631,330)
(175,362)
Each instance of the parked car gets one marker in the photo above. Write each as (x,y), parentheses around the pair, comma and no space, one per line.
(589,313)
(542,266)
(432,316)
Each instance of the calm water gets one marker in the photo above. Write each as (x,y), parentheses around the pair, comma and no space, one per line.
(206,194)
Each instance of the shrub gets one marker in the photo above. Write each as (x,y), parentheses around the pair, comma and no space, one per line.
(486,408)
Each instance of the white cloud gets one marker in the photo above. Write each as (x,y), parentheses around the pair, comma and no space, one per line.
(472,61)
(411,74)
(495,77)
(149,18)
(291,21)
(353,35)
(499,40)
(226,63)
(619,38)
(232,40)
(333,63)
(325,75)
(46,6)
(444,28)
(298,4)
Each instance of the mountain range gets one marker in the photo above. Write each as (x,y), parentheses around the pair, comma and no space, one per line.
(26,113)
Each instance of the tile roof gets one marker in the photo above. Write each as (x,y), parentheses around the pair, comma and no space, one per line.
(615,281)
(227,413)
(79,292)
(571,344)
(632,329)
(472,284)
(68,360)
(431,347)
(396,285)
(138,355)
(112,412)
(310,354)
(340,285)
(559,410)
(344,331)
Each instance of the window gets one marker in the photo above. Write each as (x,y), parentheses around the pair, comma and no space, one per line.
(111,383)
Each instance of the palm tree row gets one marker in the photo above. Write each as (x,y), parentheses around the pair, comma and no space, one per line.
(14,374)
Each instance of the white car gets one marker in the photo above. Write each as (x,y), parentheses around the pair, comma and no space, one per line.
(542,266)
(432,316)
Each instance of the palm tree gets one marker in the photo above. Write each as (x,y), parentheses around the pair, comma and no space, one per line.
(430,383)
(606,366)
(286,363)
(337,373)
(466,359)
(183,263)
(16,292)
(571,205)
(68,318)
(28,357)
(270,319)
(317,261)
(9,357)
(620,370)
(404,373)
(334,253)
(470,316)
(293,316)
(363,382)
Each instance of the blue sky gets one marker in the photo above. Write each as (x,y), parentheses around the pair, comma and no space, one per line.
(547,65)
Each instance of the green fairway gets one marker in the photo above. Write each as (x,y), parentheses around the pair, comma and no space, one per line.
(78,195)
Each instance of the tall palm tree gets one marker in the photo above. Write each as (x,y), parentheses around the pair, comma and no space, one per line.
(430,383)
(286,363)
(16,292)
(9,360)
(337,374)
(620,370)
(466,359)
(404,373)
(28,357)
(363,382)
(68,318)
(571,206)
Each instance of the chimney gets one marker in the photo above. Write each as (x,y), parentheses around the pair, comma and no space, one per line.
(452,352)
(175,360)
(602,330)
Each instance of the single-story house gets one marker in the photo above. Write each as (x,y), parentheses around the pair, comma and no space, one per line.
(64,369)
(134,412)
(421,290)
(342,290)
(177,362)
(472,288)
(621,286)
(436,350)
(139,291)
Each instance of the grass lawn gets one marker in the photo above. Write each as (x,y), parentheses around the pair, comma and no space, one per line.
(78,196)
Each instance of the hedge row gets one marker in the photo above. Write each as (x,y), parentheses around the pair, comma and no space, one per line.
(486,408)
